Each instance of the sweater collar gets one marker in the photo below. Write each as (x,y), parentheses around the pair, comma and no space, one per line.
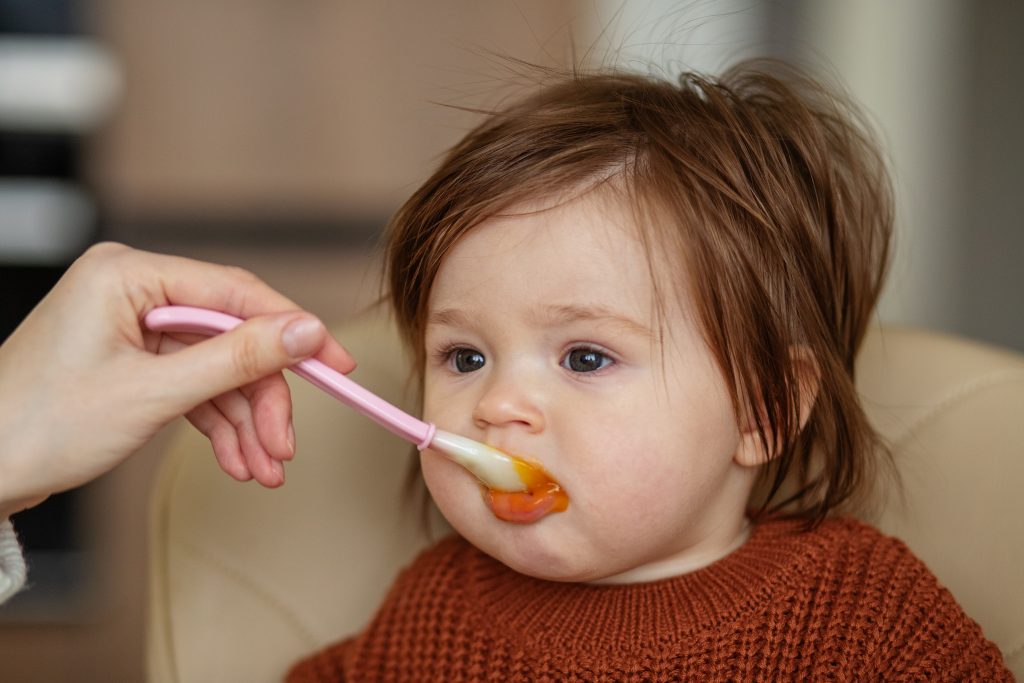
(775,557)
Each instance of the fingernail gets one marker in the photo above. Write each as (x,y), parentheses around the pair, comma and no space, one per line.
(291,439)
(278,470)
(302,337)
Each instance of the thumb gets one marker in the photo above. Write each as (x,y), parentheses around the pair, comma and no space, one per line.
(255,349)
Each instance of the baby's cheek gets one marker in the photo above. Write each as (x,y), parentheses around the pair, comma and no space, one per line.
(622,459)
(633,479)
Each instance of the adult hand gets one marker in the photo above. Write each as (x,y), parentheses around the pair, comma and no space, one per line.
(83,384)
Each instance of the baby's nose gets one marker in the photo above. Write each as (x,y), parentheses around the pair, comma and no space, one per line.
(508,401)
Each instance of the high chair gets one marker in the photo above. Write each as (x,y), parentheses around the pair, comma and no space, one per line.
(245,581)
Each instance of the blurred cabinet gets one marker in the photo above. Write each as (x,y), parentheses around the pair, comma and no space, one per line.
(309,118)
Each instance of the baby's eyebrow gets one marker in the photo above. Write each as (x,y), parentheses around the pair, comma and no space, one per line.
(554,314)
(570,313)
(450,317)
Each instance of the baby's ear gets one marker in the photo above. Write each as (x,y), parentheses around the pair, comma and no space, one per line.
(752,451)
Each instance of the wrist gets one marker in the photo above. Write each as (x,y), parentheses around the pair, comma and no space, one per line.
(21,467)
(13,496)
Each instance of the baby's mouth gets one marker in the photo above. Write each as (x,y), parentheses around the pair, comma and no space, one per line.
(543,496)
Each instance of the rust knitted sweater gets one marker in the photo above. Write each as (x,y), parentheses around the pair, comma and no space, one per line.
(842,602)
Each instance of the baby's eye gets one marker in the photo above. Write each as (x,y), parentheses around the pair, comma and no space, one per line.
(467,360)
(585,360)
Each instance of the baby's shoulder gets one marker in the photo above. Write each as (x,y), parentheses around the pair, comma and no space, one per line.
(844,556)
(874,600)
(890,596)
(861,544)
(876,573)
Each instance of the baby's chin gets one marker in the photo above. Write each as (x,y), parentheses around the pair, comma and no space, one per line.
(537,562)
(543,550)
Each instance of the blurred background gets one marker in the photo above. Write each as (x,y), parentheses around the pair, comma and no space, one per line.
(280,136)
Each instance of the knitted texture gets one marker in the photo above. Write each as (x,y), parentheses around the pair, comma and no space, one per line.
(842,602)
(12,564)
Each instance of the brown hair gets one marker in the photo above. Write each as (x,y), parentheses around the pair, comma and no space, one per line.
(769,189)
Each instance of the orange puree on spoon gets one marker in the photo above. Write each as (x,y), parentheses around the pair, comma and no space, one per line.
(543,496)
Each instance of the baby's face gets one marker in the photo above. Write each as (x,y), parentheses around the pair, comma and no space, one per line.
(542,341)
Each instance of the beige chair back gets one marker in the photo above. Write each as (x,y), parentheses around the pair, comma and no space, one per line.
(245,581)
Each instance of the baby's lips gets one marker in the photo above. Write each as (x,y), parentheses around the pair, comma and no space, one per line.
(528,507)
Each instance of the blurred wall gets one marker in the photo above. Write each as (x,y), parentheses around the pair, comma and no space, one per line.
(993,177)
(908,64)
(943,81)
(318,113)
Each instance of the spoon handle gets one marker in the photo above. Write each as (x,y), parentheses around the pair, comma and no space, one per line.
(207,322)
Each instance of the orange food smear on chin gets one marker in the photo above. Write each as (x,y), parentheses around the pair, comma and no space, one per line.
(543,496)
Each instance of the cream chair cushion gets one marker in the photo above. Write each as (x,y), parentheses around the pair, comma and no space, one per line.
(245,581)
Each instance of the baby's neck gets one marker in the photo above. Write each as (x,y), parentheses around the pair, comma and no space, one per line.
(690,560)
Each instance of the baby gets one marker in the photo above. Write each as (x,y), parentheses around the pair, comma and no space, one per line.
(656,290)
